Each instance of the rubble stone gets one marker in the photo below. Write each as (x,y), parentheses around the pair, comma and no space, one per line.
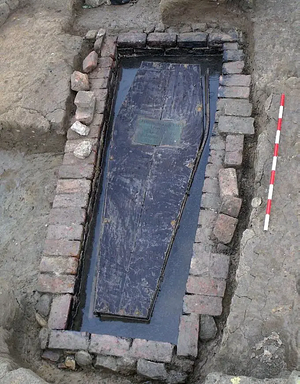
(79,81)
(83,358)
(83,149)
(90,62)
(231,206)
(80,128)
(208,328)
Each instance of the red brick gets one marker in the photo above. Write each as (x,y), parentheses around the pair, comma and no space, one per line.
(100,94)
(67,216)
(234,92)
(202,305)
(79,200)
(205,286)
(207,218)
(58,232)
(216,157)
(59,265)
(109,47)
(235,80)
(235,67)
(62,248)
(99,74)
(132,40)
(90,62)
(233,159)
(224,228)
(59,313)
(82,171)
(231,206)
(228,182)
(187,344)
(151,350)
(56,284)
(100,106)
(73,186)
(219,265)
(234,150)
(70,159)
(109,345)
(105,62)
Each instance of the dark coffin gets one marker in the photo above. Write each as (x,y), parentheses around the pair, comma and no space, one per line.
(155,141)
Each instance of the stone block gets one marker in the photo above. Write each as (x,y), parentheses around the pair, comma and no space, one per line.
(234,107)
(80,129)
(73,186)
(233,67)
(69,340)
(192,40)
(233,55)
(61,248)
(83,359)
(224,228)
(70,200)
(151,370)
(216,38)
(109,47)
(60,231)
(231,206)
(208,328)
(90,62)
(123,365)
(56,284)
(4,13)
(210,201)
(228,182)
(59,265)
(79,81)
(235,80)
(187,344)
(202,305)
(234,92)
(84,171)
(219,265)
(109,345)
(151,350)
(59,313)
(205,286)
(236,125)
(67,216)
(132,40)
(162,39)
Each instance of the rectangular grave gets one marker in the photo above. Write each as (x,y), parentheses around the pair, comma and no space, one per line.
(155,141)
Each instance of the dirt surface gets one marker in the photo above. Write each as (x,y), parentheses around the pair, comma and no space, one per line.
(38,47)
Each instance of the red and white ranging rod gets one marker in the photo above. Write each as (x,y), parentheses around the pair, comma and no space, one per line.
(275,156)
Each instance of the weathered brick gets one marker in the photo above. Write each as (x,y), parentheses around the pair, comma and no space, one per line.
(219,265)
(100,106)
(207,218)
(235,80)
(192,40)
(205,286)
(161,39)
(210,201)
(109,345)
(151,350)
(61,231)
(216,157)
(59,313)
(79,81)
(217,143)
(82,171)
(79,200)
(231,206)
(62,248)
(234,143)
(222,37)
(202,27)
(109,47)
(67,216)
(204,235)
(230,46)
(73,186)
(94,133)
(234,107)
(59,265)
(212,170)
(132,39)
(98,44)
(233,67)
(56,284)
(53,356)
(224,228)
(236,125)
(90,62)
(187,344)
(124,365)
(202,305)
(91,34)
(211,185)
(85,115)
(100,94)
(151,370)
(200,262)
(228,182)
(69,340)
(99,74)
(233,55)
(233,159)
(105,62)
(234,92)
(84,99)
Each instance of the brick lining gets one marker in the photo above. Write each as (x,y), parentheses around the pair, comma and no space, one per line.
(73,204)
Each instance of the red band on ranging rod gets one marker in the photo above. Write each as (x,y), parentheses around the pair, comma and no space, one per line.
(275,156)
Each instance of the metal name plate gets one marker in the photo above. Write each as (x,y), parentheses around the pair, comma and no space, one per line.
(157,132)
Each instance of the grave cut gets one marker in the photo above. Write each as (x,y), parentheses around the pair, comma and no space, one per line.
(151,160)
